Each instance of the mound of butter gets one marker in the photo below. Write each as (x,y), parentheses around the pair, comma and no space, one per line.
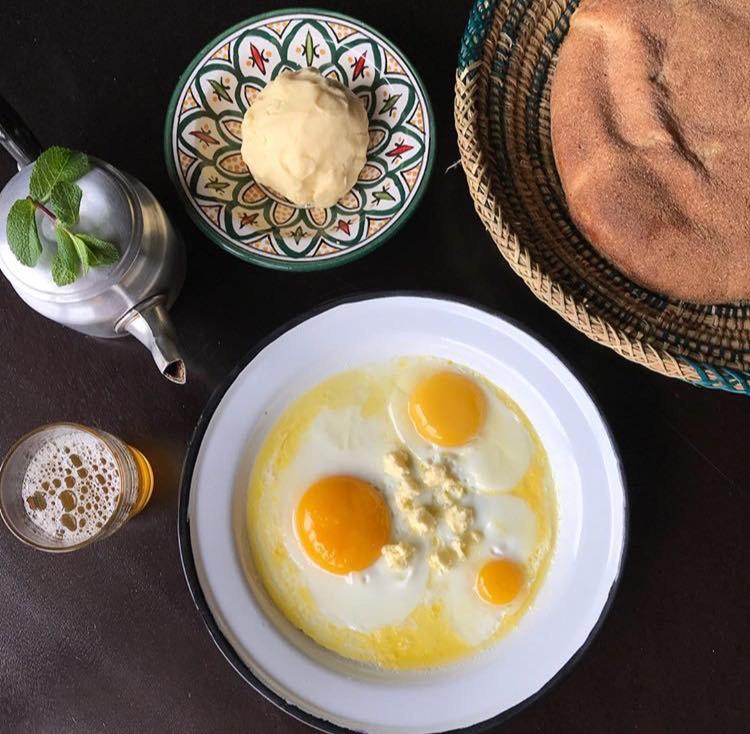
(305,137)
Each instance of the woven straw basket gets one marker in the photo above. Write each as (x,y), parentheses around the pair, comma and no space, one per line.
(505,65)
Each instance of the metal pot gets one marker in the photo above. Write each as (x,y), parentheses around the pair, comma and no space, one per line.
(129,297)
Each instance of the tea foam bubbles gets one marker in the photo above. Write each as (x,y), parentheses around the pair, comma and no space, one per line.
(71,487)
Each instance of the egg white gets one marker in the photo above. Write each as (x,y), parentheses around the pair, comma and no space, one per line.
(495,460)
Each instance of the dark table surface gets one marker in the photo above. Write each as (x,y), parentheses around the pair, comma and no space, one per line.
(107,639)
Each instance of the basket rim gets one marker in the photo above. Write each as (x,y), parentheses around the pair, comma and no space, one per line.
(477,166)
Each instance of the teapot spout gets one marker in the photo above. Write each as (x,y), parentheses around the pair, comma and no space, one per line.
(150,324)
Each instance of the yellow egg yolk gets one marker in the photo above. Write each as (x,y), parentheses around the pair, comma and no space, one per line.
(447,408)
(499,581)
(342,523)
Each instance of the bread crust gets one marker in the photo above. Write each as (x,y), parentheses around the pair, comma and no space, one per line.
(650,121)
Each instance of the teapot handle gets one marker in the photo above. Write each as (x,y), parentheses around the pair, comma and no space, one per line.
(16,137)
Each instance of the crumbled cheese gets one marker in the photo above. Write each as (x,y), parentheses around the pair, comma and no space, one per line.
(396,464)
(447,493)
(434,475)
(397,555)
(454,489)
(406,493)
(474,536)
(443,558)
(462,544)
(408,486)
(404,502)
(442,499)
(440,479)
(413,479)
(460,547)
(458,518)
(421,520)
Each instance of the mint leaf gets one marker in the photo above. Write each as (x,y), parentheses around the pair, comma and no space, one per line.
(66,250)
(23,237)
(65,265)
(65,201)
(54,165)
(81,250)
(100,252)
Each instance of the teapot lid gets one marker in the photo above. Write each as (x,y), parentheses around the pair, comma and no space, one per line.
(108,210)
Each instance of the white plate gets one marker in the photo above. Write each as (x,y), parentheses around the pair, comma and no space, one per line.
(320,687)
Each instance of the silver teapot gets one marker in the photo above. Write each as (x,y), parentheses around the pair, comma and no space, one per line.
(130,297)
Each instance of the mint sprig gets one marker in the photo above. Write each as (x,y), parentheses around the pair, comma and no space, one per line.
(53,192)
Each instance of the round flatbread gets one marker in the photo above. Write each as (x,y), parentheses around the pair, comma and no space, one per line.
(650,114)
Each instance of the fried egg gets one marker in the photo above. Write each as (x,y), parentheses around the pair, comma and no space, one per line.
(495,580)
(335,518)
(322,511)
(445,414)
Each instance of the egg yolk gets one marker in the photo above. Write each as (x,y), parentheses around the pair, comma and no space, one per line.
(447,409)
(342,523)
(499,581)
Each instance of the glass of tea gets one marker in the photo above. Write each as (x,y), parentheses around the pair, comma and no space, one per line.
(64,485)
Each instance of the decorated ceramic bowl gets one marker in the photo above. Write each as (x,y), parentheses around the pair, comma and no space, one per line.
(202,140)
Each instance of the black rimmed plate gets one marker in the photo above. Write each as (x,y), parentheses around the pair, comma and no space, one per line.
(317,686)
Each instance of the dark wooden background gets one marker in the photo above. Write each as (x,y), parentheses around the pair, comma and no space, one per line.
(107,639)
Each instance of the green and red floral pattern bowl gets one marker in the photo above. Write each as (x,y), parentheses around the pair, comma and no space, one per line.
(202,140)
